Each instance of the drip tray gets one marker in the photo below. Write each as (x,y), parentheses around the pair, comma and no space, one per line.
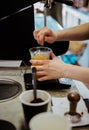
(6,125)
(9,89)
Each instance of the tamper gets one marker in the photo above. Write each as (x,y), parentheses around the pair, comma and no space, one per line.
(72,115)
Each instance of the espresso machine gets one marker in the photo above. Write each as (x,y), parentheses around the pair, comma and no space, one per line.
(16,31)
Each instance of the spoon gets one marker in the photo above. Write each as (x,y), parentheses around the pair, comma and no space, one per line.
(34,83)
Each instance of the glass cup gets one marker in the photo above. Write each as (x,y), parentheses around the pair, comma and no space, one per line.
(49,121)
(40,53)
(29,107)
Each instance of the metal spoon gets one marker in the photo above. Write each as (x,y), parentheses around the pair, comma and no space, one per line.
(34,83)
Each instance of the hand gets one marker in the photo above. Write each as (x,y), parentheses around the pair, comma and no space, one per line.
(44,35)
(49,69)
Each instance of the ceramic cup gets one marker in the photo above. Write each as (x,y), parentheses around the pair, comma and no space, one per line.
(49,121)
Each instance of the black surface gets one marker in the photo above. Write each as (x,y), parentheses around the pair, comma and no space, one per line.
(67,2)
(8,7)
(44,85)
(58,47)
(16,35)
(6,125)
(86,100)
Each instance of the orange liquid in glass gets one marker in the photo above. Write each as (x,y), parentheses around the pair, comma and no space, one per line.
(40,57)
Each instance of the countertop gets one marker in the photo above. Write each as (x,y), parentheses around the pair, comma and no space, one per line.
(11,110)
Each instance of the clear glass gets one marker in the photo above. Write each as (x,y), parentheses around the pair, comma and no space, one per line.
(40,53)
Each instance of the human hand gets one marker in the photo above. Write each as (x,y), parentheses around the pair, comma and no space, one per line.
(49,69)
(44,35)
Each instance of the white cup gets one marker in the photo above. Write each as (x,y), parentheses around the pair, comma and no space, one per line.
(49,121)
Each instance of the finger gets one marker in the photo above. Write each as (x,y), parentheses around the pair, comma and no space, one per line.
(40,69)
(43,78)
(39,62)
(41,38)
(36,62)
(35,33)
(41,35)
(52,55)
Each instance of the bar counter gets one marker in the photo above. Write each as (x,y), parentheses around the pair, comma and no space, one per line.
(11,109)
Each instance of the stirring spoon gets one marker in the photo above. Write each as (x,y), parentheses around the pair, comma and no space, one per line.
(34,83)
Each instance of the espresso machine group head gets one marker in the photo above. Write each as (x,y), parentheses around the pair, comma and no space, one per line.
(48,5)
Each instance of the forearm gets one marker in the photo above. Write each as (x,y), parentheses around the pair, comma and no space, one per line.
(76,73)
(76,33)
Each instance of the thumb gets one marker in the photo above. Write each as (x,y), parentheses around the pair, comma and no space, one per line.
(52,55)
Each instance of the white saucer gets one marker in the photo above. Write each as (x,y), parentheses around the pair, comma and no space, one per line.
(61,105)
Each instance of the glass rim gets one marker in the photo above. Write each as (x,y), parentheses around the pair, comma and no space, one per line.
(40,47)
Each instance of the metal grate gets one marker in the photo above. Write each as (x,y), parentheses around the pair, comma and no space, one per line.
(9,89)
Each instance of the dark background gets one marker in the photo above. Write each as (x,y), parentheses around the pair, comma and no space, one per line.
(16,31)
